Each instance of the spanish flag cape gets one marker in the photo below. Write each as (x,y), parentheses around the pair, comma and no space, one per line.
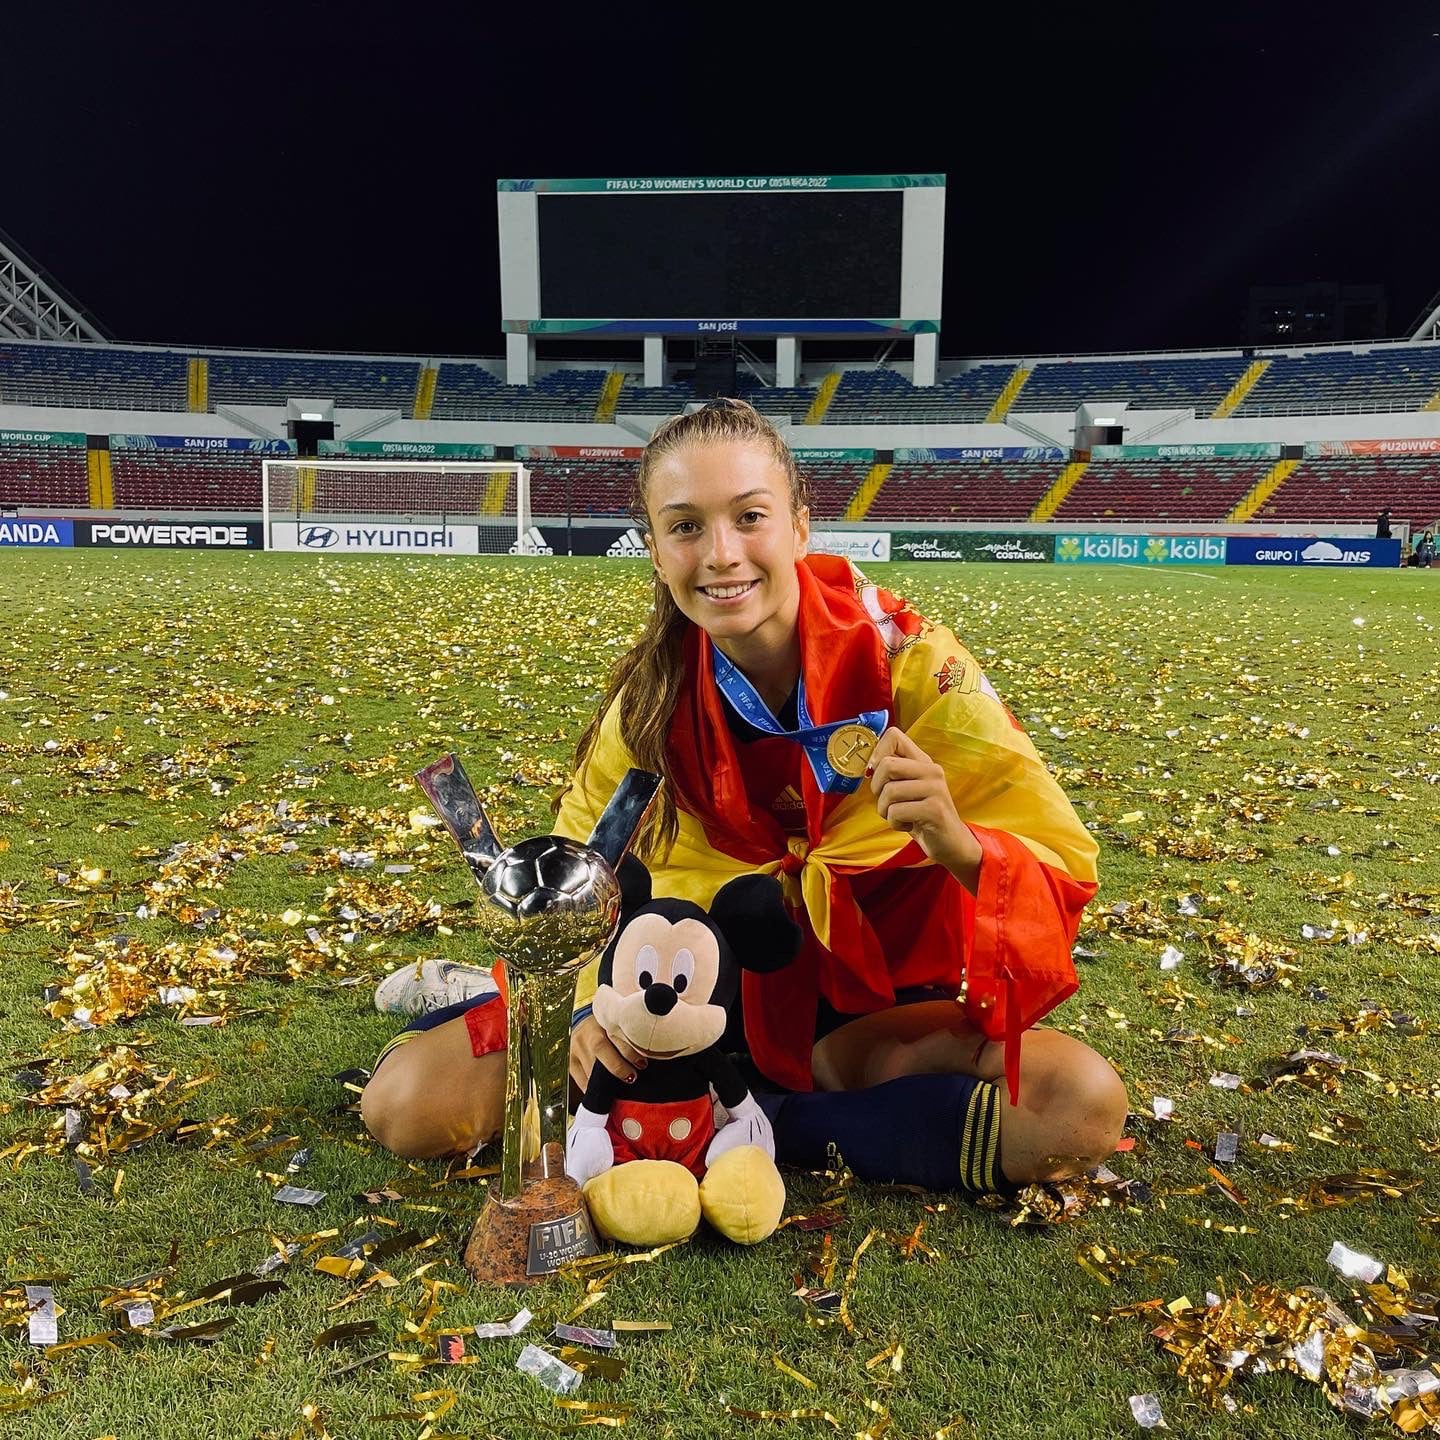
(1007,947)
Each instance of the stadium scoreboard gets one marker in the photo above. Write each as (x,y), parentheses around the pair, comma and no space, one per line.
(837,255)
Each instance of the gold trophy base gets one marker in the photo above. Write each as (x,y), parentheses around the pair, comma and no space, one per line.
(521,1241)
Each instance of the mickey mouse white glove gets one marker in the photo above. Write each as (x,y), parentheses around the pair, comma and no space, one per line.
(588,1149)
(748,1125)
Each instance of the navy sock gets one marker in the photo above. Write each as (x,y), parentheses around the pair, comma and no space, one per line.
(431,1018)
(941,1132)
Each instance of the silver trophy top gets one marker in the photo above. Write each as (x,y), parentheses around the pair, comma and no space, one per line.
(552,902)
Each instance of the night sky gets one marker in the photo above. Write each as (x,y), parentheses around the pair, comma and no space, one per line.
(323,177)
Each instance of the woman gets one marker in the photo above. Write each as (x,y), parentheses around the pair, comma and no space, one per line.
(952,863)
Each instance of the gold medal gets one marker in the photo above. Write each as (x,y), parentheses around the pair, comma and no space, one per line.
(848,750)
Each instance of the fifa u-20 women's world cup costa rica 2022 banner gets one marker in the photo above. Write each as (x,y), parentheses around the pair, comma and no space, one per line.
(404,450)
(42,437)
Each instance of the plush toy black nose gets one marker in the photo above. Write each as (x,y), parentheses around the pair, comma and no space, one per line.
(660,999)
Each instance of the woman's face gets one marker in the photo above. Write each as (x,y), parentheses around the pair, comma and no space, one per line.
(724,540)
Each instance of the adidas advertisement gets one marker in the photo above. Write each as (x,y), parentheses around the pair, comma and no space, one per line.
(629,546)
(532,543)
(168,535)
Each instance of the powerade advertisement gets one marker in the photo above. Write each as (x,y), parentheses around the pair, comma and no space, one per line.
(170,534)
(1140,549)
(1332,550)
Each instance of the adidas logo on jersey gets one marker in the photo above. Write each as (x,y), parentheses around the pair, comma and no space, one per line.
(630,546)
(532,542)
(788,799)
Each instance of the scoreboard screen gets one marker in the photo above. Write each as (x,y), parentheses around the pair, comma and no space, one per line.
(804,255)
(742,256)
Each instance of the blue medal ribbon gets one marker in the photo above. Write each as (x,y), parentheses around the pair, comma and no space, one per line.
(745,700)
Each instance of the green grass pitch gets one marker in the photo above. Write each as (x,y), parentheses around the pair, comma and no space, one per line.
(1265,743)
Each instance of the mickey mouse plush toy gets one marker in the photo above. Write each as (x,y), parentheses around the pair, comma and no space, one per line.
(648,1153)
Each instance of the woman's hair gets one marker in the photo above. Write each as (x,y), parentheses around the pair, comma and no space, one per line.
(652,672)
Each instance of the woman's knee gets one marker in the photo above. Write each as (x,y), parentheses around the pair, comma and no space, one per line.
(418,1119)
(1084,1099)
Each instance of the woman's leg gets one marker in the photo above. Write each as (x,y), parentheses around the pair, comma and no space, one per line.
(441,1091)
(1072,1104)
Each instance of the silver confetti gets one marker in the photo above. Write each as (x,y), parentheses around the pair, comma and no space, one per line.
(1146,1410)
(44,1328)
(1352,1263)
(553,1373)
(504,1329)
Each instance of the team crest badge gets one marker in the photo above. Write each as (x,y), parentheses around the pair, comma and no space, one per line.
(950,674)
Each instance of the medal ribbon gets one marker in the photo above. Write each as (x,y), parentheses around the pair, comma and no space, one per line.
(745,700)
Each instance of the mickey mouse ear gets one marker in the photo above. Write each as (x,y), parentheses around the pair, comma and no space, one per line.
(751,914)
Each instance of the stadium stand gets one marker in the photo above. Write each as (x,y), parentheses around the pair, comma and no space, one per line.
(771,400)
(1199,384)
(93,376)
(43,477)
(598,488)
(274,379)
(1189,492)
(868,397)
(1357,489)
(962,491)
(832,483)
(470,392)
(655,400)
(185,479)
(1330,383)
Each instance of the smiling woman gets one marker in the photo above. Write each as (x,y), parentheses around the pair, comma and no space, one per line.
(811,725)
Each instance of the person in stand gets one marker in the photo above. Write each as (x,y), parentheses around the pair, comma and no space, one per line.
(939,890)
(1382,524)
(1425,550)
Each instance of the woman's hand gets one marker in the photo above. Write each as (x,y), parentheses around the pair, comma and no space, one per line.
(912,795)
(589,1043)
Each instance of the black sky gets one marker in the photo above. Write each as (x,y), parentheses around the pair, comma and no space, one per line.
(323,175)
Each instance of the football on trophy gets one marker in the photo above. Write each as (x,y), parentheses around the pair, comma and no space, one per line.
(552,904)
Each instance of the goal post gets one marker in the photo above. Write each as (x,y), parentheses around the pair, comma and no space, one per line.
(434,507)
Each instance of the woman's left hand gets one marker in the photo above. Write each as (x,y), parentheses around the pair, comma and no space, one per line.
(912,795)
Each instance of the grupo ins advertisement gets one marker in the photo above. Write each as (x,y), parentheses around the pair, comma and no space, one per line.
(1313,550)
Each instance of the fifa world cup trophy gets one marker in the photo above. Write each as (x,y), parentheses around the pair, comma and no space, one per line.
(550,906)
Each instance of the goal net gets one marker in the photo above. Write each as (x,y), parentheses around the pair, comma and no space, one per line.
(453,507)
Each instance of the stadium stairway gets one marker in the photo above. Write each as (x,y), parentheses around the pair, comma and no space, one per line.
(101,481)
(1240,389)
(1274,478)
(197,384)
(815,415)
(1007,397)
(1054,497)
(497,491)
(425,392)
(609,398)
(1433,403)
(867,490)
